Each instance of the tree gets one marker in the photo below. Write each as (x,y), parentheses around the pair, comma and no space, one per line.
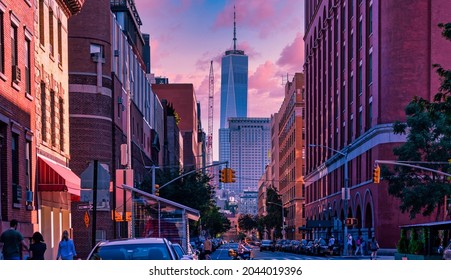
(273,219)
(247,222)
(428,130)
(215,222)
(193,190)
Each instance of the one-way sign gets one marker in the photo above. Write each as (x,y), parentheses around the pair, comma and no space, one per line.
(85,207)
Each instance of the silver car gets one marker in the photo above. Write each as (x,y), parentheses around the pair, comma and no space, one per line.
(133,249)
(447,252)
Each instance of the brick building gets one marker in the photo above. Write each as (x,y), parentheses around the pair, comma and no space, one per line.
(183,98)
(291,155)
(111,104)
(17,116)
(57,185)
(364,61)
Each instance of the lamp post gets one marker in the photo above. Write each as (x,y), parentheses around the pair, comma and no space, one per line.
(283,218)
(345,204)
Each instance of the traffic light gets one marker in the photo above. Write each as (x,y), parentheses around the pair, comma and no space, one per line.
(157,190)
(223,178)
(376,174)
(231,176)
(351,221)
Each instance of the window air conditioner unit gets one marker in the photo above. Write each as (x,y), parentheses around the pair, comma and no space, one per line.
(116,53)
(16,73)
(119,100)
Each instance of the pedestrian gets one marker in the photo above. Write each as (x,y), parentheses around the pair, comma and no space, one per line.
(374,246)
(13,242)
(207,248)
(359,243)
(331,244)
(66,248)
(349,244)
(38,247)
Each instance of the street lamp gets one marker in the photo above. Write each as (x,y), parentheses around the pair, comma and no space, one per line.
(345,155)
(283,218)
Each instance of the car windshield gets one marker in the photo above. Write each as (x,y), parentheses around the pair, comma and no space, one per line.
(266,242)
(132,252)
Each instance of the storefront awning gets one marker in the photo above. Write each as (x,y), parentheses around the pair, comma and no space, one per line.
(55,177)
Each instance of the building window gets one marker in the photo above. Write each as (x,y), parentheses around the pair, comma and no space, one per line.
(370,69)
(41,23)
(27,66)
(343,18)
(360,122)
(2,45)
(15,158)
(370,20)
(43,113)
(351,46)
(351,8)
(336,27)
(52,118)
(28,163)
(61,120)
(360,80)
(343,57)
(51,33)
(14,47)
(60,42)
(343,98)
(370,115)
(360,34)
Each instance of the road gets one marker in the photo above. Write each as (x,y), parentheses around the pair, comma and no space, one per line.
(222,253)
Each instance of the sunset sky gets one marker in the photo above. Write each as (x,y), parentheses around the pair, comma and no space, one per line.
(187,34)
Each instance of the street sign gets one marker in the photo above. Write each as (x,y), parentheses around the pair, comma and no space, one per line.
(85,207)
(86,219)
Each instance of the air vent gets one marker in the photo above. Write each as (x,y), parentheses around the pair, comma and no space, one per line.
(16,73)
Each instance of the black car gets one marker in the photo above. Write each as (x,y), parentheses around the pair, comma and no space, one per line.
(267,245)
(133,249)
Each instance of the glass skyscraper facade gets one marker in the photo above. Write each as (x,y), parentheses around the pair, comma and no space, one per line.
(234,74)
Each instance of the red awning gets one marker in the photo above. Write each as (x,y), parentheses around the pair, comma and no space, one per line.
(55,177)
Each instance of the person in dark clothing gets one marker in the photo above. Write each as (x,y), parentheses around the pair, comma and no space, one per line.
(38,247)
(13,242)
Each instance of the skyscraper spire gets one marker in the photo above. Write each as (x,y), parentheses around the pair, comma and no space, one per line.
(234,29)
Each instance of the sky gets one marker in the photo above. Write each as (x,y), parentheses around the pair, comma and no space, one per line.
(185,35)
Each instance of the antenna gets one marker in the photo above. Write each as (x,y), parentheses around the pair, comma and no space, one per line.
(234,29)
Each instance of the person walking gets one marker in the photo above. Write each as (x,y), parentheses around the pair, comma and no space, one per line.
(207,248)
(374,246)
(38,247)
(359,243)
(66,248)
(13,242)
(349,244)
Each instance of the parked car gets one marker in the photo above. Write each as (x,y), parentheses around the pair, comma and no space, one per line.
(447,252)
(295,246)
(181,254)
(133,249)
(308,248)
(286,245)
(320,247)
(267,245)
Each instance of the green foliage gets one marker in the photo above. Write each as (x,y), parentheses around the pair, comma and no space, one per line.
(428,130)
(215,221)
(193,190)
(247,222)
(403,243)
(416,245)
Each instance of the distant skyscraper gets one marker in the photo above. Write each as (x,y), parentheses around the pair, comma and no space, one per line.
(250,146)
(234,73)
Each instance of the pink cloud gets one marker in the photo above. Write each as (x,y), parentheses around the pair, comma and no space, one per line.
(292,56)
(266,17)
(264,78)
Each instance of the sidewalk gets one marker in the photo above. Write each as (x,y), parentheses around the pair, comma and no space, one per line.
(382,254)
